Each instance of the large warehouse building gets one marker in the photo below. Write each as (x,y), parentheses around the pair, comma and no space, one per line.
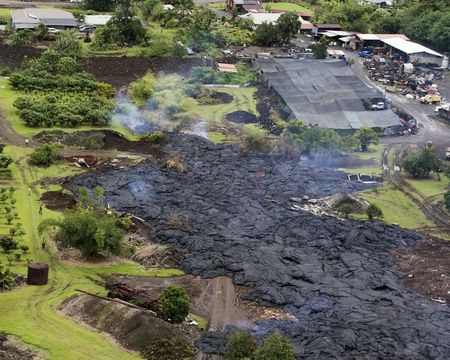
(325,93)
(31,18)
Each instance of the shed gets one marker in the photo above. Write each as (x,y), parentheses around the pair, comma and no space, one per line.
(31,18)
(259,18)
(413,52)
(222,67)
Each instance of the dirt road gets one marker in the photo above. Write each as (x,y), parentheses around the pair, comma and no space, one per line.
(8,134)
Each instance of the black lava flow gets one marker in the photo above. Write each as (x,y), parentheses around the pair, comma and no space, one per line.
(336,277)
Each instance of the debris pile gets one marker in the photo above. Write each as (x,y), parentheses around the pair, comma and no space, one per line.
(415,82)
(336,277)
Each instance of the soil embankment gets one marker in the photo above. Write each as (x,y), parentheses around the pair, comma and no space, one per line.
(336,277)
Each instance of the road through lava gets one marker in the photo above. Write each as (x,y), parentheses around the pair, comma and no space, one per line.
(337,277)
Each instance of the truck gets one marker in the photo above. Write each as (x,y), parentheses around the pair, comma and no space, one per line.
(430,99)
(378,106)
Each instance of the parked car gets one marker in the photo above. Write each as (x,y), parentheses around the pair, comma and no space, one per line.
(86,28)
(378,106)
(430,99)
(365,54)
(53,30)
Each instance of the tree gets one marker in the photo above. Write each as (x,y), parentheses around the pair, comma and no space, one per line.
(421,163)
(174,303)
(90,231)
(7,278)
(447,200)
(67,43)
(142,89)
(374,212)
(439,34)
(240,345)
(288,26)
(45,154)
(22,37)
(266,34)
(366,136)
(320,48)
(276,346)
(151,9)
(345,210)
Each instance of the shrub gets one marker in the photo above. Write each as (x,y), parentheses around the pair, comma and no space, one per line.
(7,279)
(156,138)
(256,143)
(24,248)
(142,89)
(169,348)
(45,154)
(240,345)
(67,43)
(174,303)
(276,346)
(345,210)
(17,256)
(7,243)
(22,37)
(91,231)
(374,212)
(5,161)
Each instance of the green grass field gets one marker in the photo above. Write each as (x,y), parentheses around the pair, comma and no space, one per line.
(5,11)
(31,312)
(286,6)
(397,208)
(430,187)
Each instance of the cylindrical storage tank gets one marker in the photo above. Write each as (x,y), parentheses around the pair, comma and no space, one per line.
(37,274)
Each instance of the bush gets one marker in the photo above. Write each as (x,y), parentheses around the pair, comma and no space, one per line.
(374,212)
(276,346)
(174,303)
(89,230)
(169,348)
(17,256)
(142,89)
(240,345)
(7,243)
(421,163)
(256,143)
(7,279)
(22,37)
(24,248)
(156,138)
(5,161)
(345,210)
(45,154)
(67,43)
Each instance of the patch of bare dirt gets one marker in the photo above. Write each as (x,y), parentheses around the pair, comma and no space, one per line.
(12,348)
(58,200)
(427,268)
(241,117)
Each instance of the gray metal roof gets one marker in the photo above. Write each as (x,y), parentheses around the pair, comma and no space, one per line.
(30,18)
(324,92)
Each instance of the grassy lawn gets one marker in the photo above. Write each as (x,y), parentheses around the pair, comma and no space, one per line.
(374,155)
(5,11)
(7,97)
(286,6)
(430,187)
(215,114)
(397,208)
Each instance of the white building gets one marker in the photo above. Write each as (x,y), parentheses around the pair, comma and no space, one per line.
(31,18)
(415,52)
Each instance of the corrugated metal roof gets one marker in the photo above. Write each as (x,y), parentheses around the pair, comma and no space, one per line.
(261,17)
(97,19)
(32,17)
(409,47)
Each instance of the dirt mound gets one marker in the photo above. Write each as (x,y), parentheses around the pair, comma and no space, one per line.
(336,277)
(131,328)
(13,56)
(222,97)
(11,348)
(241,117)
(58,200)
(427,268)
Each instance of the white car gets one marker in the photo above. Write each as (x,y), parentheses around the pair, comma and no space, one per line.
(378,106)
(53,30)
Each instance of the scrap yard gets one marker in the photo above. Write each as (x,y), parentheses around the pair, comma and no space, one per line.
(224,180)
